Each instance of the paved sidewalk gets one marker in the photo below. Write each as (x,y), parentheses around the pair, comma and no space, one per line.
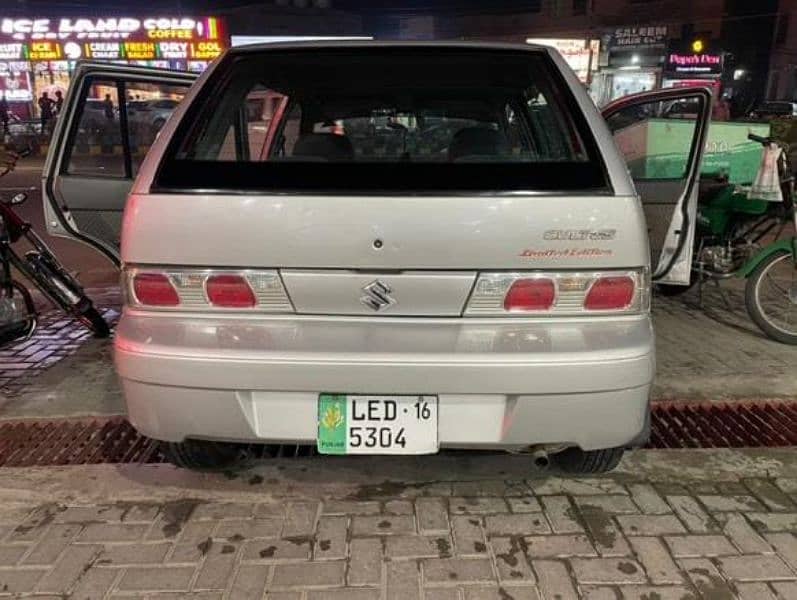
(678,525)
(713,351)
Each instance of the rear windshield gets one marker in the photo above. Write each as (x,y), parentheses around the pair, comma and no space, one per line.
(384,119)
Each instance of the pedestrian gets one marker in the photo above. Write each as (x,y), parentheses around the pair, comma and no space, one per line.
(59,102)
(4,117)
(108,107)
(45,110)
(722,110)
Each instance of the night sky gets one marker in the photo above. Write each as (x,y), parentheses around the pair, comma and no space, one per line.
(407,7)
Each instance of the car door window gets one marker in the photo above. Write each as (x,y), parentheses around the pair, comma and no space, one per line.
(149,105)
(656,138)
(97,148)
(104,136)
(661,139)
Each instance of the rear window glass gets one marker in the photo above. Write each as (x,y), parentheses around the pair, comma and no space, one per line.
(384,119)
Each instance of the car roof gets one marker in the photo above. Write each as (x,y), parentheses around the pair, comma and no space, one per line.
(371,44)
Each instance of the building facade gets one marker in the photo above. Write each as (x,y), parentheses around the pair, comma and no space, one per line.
(782,80)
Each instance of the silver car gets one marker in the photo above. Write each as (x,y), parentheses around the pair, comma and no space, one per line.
(408,247)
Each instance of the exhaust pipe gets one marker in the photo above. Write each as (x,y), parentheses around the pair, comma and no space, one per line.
(540,458)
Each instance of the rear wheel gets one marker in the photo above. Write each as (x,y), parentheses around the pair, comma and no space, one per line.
(578,461)
(202,455)
(771,297)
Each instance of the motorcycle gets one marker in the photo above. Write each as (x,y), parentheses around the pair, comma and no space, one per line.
(18,315)
(731,227)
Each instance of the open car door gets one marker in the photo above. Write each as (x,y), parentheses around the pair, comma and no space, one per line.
(662,135)
(110,117)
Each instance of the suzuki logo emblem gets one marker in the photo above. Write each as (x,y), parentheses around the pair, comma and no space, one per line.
(377,296)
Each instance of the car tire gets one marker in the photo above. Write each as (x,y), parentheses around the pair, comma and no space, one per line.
(671,291)
(202,455)
(584,462)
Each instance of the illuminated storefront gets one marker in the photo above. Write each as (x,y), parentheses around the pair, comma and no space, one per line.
(580,54)
(699,66)
(631,62)
(39,55)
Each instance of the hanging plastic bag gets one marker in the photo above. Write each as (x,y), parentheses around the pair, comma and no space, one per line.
(767,181)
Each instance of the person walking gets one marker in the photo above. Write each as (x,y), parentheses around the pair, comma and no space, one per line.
(110,131)
(59,102)
(45,110)
(108,107)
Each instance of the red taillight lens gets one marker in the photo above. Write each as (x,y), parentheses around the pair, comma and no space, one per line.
(230,291)
(155,289)
(530,295)
(610,293)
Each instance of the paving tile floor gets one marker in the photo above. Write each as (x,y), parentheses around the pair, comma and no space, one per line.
(545,537)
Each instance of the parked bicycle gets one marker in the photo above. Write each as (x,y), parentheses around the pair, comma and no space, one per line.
(18,315)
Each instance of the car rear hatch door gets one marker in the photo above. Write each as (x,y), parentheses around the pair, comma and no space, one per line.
(392,194)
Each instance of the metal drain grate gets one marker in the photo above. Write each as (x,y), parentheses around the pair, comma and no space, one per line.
(74,442)
(113,440)
(723,425)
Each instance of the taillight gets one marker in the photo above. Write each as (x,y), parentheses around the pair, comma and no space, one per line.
(554,293)
(610,293)
(203,289)
(527,295)
(154,289)
(229,291)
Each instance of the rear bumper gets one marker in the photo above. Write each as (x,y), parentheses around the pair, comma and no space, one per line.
(501,384)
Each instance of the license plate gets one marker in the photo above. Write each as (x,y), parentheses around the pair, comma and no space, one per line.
(377,424)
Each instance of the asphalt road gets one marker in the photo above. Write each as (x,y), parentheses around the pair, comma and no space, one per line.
(92,268)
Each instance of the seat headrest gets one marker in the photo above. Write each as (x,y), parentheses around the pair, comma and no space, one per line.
(325,146)
(477,141)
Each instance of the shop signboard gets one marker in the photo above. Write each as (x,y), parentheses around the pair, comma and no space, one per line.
(103,50)
(656,149)
(140,50)
(581,55)
(110,28)
(15,82)
(45,51)
(49,47)
(205,50)
(116,38)
(14,66)
(694,64)
(640,37)
(13,51)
